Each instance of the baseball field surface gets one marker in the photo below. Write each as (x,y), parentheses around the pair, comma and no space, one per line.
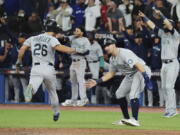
(37,120)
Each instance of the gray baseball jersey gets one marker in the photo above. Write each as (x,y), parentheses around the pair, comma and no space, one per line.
(93,59)
(170,43)
(125,62)
(82,44)
(42,48)
(95,52)
(133,83)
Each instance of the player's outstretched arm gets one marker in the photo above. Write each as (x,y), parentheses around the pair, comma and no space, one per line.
(65,49)
(165,20)
(147,20)
(91,83)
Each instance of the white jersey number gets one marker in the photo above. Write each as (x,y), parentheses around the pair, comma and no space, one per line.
(40,50)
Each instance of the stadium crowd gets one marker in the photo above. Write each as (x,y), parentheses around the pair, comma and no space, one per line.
(21,19)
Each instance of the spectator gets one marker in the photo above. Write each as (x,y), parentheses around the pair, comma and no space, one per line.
(92,16)
(34,23)
(78,13)
(138,6)
(18,22)
(159,4)
(6,62)
(115,17)
(63,16)
(149,8)
(126,7)
(175,11)
(104,20)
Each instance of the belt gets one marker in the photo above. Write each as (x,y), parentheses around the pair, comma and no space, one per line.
(75,60)
(37,63)
(167,61)
(93,61)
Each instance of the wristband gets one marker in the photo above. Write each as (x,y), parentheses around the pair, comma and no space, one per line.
(98,81)
(146,19)
(163,17)
(146,77)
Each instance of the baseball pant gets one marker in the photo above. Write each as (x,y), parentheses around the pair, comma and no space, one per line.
(47,75)
(77,73)
(169,74)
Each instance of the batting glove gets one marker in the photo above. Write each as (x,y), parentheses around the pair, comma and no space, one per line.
(148,83)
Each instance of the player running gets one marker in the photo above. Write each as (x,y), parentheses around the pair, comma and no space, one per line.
(137,75)
(43,48)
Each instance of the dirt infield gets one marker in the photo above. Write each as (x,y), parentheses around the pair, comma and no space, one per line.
(87,108)
(75,131)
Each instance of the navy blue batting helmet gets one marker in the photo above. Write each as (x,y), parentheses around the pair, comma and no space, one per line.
(108,41)
(51,26)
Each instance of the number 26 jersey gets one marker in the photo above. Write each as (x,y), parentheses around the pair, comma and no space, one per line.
(42,48)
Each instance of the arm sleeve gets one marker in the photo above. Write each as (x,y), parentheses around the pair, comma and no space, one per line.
(101,64)
(99,51)
(67,12)
(27,42)
(54,42)
(176,34)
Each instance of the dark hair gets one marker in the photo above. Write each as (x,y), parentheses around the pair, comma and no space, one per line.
(82,30)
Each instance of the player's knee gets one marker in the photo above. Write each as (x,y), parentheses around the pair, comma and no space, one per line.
(119,95)
(168,87)
(132,96)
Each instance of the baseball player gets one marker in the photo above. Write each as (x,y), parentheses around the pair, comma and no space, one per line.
(95,61)
(43,48)
(94,57)
(77,68)
(137,75)
(170,65)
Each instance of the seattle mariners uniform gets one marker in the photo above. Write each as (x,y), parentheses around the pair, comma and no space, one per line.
(77,68)
(170,65)
(136,77)
(93,59)
(43,48)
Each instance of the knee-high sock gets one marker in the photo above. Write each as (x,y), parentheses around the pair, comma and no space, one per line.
(124,107)
(135,107)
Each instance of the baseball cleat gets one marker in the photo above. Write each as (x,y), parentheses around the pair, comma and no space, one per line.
(165,114)
(69,102)
(170,115)
(131,122)
(28,93)
(119,122)
(82,102)
(56,117)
